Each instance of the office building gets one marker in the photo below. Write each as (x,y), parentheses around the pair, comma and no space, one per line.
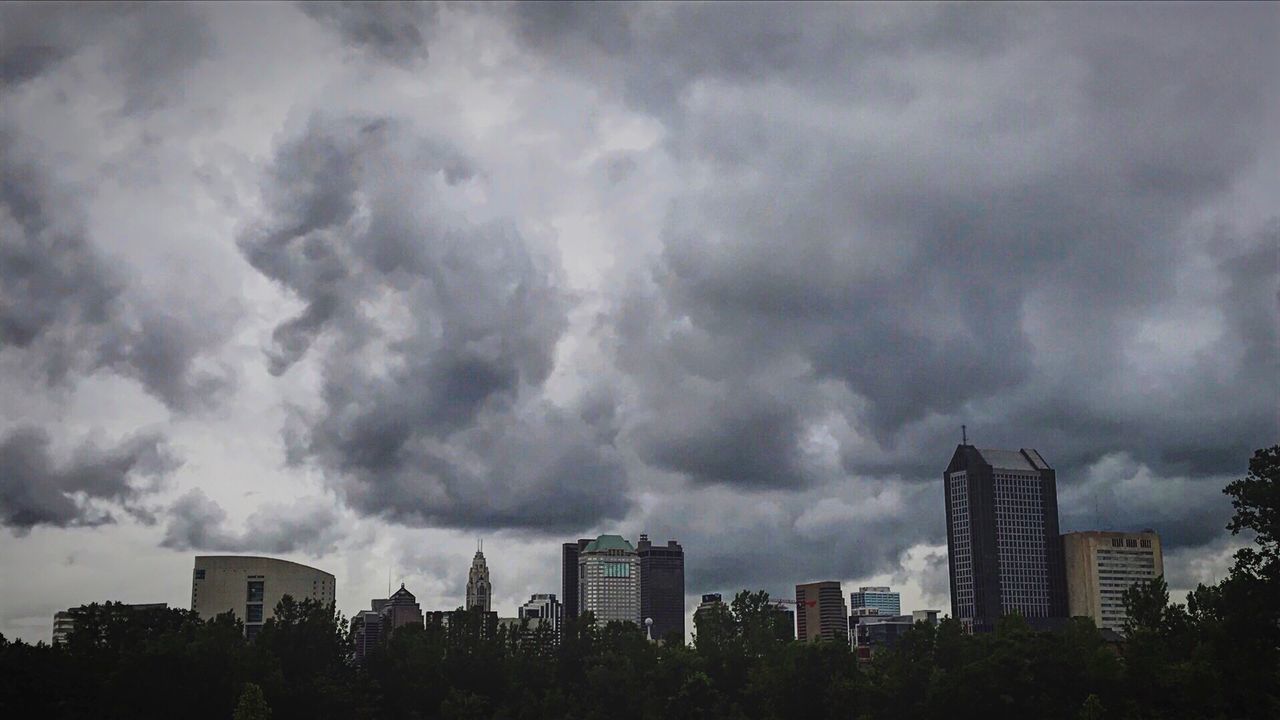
(609,580)
(65,621)
(366,630)
(400,609)
(1003,550)
(662,586)
(882,599)
(251,587)
(1100,566)
(709,600)
(544,608)
(884,630)
(479,589)
(569,575)
(821,613)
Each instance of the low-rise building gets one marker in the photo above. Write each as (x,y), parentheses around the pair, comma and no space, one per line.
(251,587)
(65,621)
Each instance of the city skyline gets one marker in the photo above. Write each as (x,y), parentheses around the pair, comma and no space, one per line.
(351,286)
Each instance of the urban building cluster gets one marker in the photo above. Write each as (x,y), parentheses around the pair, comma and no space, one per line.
(1005,555)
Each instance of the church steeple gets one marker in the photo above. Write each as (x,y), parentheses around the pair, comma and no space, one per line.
(479,589)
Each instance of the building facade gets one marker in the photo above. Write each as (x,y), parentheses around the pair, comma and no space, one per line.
(569,575)
(366,630)
(875,630)
(609,580)
(821,613)
(251,587)
(1003,549)
(662,586)
(544,608)
(1100,566)
(479,589)
(881,598)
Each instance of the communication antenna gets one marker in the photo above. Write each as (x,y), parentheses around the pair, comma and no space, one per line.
(388,581)
(964,435)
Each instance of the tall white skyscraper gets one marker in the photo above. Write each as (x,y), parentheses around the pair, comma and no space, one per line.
(1102,565)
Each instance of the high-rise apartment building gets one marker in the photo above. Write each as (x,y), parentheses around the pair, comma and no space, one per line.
(569,575)
(1003,548)
(1100,566)
(881,598)
(479,589)
(251,587)
(609,580)
(821,613)
(662,586)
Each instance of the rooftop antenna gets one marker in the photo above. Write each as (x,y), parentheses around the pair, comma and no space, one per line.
(388,581)
(964,435)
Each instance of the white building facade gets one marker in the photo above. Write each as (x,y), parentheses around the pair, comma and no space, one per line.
(251,587)
(609,580)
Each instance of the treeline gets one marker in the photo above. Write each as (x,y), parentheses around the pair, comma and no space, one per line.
(1216,656)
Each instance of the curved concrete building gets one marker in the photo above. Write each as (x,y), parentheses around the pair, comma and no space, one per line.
(251,587)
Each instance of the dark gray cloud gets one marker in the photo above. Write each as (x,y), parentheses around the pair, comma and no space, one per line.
(920,218)
(393,31)
(195,522)
(146,48)
(65,311)
(38,489)
(435,333)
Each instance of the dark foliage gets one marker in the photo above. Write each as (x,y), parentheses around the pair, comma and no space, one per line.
(1216,656)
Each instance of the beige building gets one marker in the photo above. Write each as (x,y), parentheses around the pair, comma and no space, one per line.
(1100,566)
(821,613)
(251,587)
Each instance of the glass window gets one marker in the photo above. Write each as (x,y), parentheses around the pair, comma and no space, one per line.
(255,590)
(199,573)
(253,613)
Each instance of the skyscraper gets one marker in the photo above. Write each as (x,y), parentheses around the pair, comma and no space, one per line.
(662,586)
(609,580)
(569,575)
(880,598)
(545,609)
(1100,566)
(1003,548)
(821,612)
(479,590)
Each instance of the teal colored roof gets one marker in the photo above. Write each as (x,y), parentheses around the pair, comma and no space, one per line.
(605,543)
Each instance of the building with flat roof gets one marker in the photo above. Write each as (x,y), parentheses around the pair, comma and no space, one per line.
(1003,550)
(609,580)
(569,575)
(662,586)
(881,598)
(1101,565)
(251,587)
(64,621)
(821,613)
(543,609)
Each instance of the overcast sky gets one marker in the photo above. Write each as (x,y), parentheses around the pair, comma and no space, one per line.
(358,285)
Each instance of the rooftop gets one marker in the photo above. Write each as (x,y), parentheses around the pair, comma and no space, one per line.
(1014,459)
(605,543)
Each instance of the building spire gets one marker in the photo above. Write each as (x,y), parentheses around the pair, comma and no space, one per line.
(964,435)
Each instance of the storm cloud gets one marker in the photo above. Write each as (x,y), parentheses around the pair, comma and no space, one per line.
(438,334)
(198,523)
(732,274)
(37,488)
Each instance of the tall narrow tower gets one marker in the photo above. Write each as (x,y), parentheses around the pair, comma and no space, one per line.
(479,590)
